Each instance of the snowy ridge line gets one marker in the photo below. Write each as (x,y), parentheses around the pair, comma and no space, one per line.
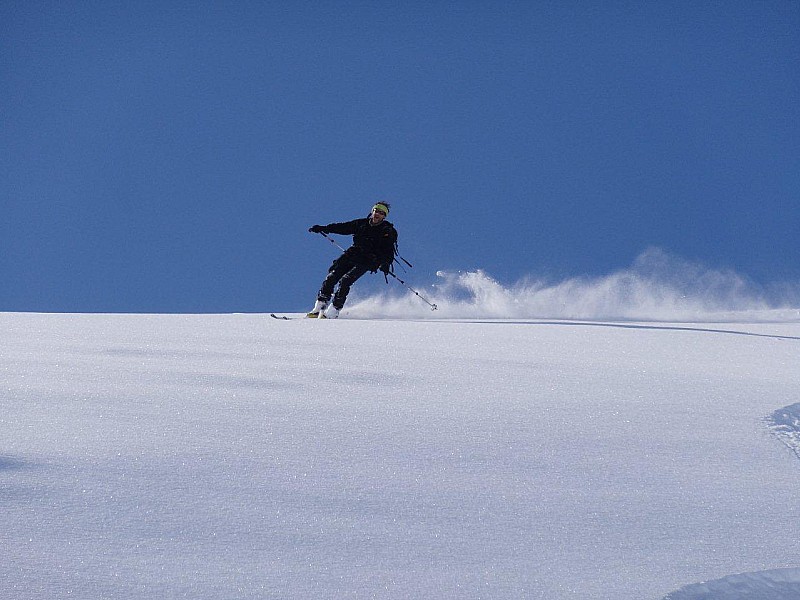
(785,424)
(777,584)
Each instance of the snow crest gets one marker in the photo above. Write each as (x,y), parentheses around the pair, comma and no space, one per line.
(785,423)
(779,584)
(657,287)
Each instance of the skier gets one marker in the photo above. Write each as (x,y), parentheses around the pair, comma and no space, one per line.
(374,247)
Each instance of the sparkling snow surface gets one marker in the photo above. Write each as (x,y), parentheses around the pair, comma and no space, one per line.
(240,457)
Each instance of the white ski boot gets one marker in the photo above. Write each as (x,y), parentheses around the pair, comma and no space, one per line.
(318,310)
(331,313)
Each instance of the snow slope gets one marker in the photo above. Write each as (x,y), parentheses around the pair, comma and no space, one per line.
(237,457)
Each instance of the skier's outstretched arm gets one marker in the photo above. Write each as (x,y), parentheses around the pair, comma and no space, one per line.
(347,228)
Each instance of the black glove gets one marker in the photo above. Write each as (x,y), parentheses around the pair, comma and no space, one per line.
(317,229)
(385,268)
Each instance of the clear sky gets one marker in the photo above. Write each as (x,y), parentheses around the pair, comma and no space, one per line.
(161,156)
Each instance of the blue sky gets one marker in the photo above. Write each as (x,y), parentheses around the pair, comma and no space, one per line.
(170,156)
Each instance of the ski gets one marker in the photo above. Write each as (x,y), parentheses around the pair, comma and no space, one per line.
(283,318)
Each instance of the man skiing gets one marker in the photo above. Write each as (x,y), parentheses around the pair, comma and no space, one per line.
(374,246)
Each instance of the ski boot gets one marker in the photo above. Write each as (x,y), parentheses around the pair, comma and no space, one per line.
(318,310)
(331,313)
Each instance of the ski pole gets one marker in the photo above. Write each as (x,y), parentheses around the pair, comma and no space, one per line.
(332,241)
(416,293)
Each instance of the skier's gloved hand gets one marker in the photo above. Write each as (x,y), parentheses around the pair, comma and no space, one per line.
(372,260)
(317,229)
(385,268)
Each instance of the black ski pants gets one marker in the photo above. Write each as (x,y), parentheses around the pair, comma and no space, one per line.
(345,272)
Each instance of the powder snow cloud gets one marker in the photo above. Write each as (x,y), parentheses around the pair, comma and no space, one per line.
(656,287)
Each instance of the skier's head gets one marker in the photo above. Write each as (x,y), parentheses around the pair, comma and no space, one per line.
(379,212)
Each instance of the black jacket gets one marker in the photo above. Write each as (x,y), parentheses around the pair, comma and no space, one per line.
(373,245)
